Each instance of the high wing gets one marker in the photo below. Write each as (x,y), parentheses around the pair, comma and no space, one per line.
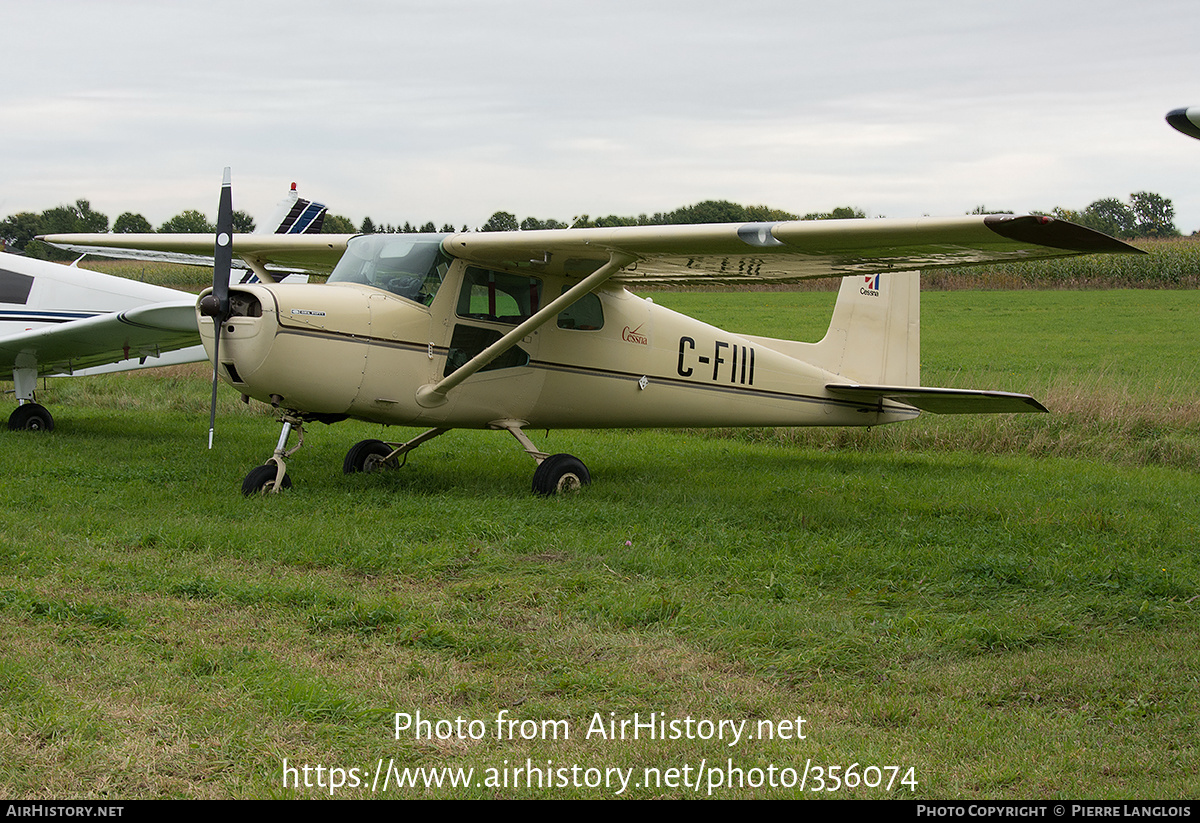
(706,254)
(784,252)
(141,332)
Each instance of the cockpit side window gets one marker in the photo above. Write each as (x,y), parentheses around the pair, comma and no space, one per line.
(409,266)
(498,297)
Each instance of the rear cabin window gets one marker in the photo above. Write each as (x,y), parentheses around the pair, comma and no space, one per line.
(585,314)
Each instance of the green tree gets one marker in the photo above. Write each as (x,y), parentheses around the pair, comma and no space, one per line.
(501,221)
(1153,214)
(1110,216)
(709,211)
(534,224)
(368,226)
(766,214)
(840,213)
(77,218)
(130,223)
(1070,215)
(188,222)
(242,223)
(18,229)
(336,224)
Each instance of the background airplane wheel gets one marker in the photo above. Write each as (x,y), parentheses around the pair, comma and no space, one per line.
(261,480)
(31,417)
(368,456)
(559,474)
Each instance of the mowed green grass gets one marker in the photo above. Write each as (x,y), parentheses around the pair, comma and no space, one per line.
(928,597)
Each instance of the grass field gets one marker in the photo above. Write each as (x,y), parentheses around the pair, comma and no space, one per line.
(955,608)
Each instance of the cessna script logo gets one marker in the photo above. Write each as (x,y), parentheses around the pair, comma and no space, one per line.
(871,289)
(634,336)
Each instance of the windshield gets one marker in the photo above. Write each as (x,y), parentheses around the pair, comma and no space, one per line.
(408,265)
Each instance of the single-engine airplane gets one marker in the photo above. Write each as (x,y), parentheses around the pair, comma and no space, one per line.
(537,329)
(58,319)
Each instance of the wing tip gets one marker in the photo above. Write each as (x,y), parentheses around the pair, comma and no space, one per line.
(1043,230)
(1180,121)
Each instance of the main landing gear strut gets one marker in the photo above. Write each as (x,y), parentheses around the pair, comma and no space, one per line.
(28,415)
(555,473)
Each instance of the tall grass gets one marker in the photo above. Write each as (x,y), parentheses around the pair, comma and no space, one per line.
(1172,263)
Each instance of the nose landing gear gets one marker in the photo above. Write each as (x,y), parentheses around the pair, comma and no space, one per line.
(271,477)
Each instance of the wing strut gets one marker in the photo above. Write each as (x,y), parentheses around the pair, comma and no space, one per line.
(434,394)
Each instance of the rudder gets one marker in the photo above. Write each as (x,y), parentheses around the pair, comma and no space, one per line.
(874,336)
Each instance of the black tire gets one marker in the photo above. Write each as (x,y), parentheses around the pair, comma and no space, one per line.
(560,474)
(261,480)
(368,456)
(31,417)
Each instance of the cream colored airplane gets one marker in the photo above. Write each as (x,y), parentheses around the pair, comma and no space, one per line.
(538,329)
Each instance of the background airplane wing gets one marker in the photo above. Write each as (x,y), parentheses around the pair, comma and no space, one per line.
(785,252)
(312,253)
(145,331)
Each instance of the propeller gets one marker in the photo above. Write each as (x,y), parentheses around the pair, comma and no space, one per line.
(216,303)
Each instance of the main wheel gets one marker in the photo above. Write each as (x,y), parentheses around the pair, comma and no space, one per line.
(560,474)
(368,456)
(261,480)
(31,417)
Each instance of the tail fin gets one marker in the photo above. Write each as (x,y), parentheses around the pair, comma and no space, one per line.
(875,334)
(294,215)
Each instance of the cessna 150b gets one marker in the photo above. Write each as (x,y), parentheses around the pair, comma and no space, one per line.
(537,329)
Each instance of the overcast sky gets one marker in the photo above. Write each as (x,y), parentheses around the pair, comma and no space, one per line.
(451,110)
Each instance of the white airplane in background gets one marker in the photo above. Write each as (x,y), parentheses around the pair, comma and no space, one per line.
(537,329)
(60,319)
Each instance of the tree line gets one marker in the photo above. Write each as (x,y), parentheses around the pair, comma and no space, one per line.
(17,231)
(1146,214)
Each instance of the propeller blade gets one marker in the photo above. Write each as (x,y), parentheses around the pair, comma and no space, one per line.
(216,305)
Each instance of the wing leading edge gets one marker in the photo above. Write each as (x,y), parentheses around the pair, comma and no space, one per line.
(312,253)
(786,252)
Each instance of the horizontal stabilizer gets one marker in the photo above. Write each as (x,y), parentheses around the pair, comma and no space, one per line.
(942,401)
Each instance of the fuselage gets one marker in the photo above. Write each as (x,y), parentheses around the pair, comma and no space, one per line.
(38,294)
(362,345)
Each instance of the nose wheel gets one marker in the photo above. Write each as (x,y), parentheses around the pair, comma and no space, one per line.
(272,477)
(266,479)
(31,417)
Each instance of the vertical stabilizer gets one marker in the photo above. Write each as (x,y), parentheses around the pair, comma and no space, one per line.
(295,215)
(875,334)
